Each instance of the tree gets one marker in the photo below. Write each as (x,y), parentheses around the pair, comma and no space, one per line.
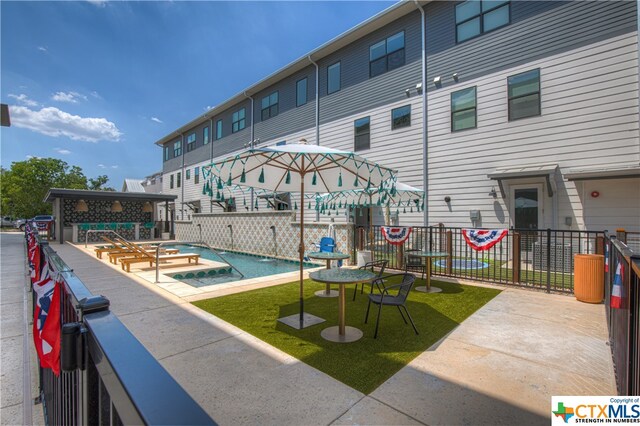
(24,186)
(98,183)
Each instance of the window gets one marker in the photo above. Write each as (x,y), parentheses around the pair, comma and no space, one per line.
(166,153)
(238,120)
(187,174)
(205,136)
(524,94)
(475,17)
(269,106)
(196,175)
(386,55)
(463,109)
(301,92)
(401,117)
(361,132)
(171,182)
(177,149)
(218,129)
(333,78)
(191,142)
(178,179)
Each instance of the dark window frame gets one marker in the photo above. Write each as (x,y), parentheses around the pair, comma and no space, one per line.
(187,174)
(395,126)
(539,93)
(475,108)
(166,153)
(481,16)
(387,54)
(196,175)
(177,149)
(191,144)
(219,128)
(338,63)
(171,181)
(240,123)
(356,136)
(272,109)
(298,93)
(178,179)
(205,135)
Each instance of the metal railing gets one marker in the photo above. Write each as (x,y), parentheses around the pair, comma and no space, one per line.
(99,231)
(622,304)
(99,381)
(541,259)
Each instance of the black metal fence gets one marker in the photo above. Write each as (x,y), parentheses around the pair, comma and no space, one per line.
(106,377)
(622,303)
(540,259)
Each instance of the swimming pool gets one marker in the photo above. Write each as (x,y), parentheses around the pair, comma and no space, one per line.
(251,266)
(463,264)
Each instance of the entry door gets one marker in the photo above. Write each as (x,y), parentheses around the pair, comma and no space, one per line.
(526,212)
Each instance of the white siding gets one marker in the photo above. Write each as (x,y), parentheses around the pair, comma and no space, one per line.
(589,118)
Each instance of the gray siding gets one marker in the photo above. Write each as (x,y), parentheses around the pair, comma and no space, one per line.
(290,118)
(173,163)
(359,92)
(201,151)
(233,141)
(537,30)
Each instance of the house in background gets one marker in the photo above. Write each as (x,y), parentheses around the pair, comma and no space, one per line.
(508,113)
(132,185)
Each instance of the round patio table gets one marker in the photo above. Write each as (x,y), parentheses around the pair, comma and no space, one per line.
(429,255)
(328,256)
(342,277)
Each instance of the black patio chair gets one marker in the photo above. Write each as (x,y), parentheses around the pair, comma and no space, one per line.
(415,263)
(399,300)
(372,267)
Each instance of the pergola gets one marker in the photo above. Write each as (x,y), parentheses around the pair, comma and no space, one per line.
(59,197)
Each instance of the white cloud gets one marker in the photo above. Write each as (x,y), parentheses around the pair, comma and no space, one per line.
(51,121)
(156,119)
(62,151)
(96,95)
(42,48)
(24,100)
(114,167)
(102,166)
(72,97)
(207,108)
(98,3)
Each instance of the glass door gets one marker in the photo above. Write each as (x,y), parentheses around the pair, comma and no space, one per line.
(526,213)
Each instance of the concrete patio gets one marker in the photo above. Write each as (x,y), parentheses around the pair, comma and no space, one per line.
(501,366)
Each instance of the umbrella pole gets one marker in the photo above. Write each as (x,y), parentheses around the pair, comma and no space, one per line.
(371,223)
(301,247)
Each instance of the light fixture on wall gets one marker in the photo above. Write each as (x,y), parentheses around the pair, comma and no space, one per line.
(493,192)
(455,77)
(437,81)
(116,207)
(147,207)
(447,199)
(81,206)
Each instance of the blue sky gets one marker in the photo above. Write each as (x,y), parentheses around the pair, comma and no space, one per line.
(97,83)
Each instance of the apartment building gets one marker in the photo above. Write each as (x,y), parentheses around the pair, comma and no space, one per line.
(532,116)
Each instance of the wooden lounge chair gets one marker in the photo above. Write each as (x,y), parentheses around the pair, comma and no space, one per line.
(117,247)
(114,256)
(143,256)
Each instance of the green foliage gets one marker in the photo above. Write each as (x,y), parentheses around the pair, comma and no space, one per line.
(24,186)
(98,184)
(367,363)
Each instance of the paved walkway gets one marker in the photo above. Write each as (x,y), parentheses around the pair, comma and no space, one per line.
(501,366)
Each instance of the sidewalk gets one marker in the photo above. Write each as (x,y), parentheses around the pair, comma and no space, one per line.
(501,366)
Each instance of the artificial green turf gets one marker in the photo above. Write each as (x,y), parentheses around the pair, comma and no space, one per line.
(367,363)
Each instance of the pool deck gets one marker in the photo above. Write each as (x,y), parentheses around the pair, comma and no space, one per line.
(500,366)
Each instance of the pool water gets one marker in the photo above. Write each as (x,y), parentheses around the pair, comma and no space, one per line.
(251,266)
(463,264)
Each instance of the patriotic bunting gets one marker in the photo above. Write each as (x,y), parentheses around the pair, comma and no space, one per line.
(480,240)
(396,235)
(606,257)
(616,291)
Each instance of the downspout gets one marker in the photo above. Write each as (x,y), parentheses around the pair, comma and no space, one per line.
(252,137)
(638,46)
(184,149)
(425,176)
(211,160)
(317,115)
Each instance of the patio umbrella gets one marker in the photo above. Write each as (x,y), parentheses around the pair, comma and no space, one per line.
(294,167)
(387,195)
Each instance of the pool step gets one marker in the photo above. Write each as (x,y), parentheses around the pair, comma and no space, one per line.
(201,273)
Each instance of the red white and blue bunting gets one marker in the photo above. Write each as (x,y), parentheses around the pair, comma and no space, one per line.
(396,235)
(616,291)
(479,239)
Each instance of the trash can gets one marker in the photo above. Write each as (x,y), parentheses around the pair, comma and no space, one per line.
(588,279)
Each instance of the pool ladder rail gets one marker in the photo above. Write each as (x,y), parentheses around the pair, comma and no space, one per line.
(191,243)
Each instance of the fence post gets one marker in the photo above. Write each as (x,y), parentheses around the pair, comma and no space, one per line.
(450,251)
(548,260)
(621,235)
(515,267)
(600,244)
